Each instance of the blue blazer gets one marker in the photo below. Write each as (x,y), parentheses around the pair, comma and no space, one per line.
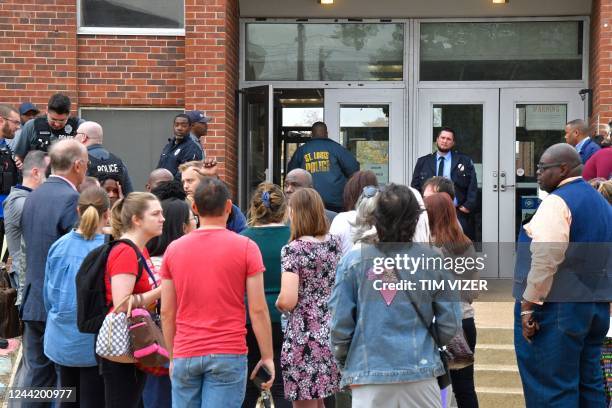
(48,213)
(463,176)
(588,149)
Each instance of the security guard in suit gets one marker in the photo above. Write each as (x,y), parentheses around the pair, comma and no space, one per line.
(457,167)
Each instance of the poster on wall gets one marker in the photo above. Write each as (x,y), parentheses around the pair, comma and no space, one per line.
(374,155)
(545,117)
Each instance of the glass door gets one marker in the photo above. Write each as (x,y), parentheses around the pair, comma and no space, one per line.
(371,125)
(255,147)
(473,115)
(532,119)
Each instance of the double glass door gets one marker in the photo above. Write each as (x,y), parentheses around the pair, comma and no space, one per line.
(504,131)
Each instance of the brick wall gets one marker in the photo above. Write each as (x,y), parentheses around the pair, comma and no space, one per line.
(211,76)
(38,51)
(41,54)
(600,78)
(131,71)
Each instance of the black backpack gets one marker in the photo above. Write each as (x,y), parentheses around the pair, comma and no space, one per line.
(91,290)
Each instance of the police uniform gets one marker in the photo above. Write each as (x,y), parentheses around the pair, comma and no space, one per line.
(37,134)
(104,165)
(176,153)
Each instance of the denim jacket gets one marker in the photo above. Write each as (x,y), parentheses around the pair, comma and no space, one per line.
(64,344)
(376,336)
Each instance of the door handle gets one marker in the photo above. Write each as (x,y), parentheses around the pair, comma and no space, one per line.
(502,185)
(495,181)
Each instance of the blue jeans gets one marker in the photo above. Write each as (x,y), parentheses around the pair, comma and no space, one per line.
(216,380)
(560,368)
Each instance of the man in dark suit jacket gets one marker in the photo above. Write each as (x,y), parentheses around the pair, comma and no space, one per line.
(456,167)
(48,213)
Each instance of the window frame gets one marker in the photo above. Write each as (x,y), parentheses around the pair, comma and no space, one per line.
(173,32)
(570,83)
(243,83)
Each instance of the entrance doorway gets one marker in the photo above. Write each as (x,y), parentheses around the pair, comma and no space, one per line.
(504,131)
(275,122)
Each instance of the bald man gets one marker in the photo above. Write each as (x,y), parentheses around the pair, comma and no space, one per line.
(103,164)
(562,289)
(48,213)
(300,178)
(157,177)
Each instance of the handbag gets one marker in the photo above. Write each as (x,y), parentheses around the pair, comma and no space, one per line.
(265,400)
(147,339)
(113,341)
(459,353)
(10,324)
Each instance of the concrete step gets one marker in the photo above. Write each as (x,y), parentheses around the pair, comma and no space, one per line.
(494,397)
(495,354)
(497,376)
(494,335)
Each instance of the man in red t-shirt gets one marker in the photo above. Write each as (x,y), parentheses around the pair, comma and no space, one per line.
(205,277)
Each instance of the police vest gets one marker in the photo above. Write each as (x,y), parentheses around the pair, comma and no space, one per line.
(112,167)
(45,134)
(9,175)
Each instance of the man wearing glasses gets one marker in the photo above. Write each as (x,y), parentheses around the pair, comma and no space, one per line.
(38,134)
(561,290)
(9,124)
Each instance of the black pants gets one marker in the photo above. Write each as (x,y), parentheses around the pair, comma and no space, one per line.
(123,384)
(89,386)
(463,380)
(278,392)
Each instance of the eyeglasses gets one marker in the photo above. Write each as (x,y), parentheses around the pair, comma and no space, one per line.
(370,191)
(54,120)
(13,121)
(544,166)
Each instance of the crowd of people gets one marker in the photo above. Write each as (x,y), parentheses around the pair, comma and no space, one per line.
(286,295)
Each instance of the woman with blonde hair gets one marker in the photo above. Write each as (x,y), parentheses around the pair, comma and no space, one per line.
(308,263)
(73,352)
(137,217)
(267,228)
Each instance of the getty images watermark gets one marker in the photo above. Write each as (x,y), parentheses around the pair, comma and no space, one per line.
(453,274)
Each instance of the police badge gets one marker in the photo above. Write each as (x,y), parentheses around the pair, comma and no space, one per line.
(68,128)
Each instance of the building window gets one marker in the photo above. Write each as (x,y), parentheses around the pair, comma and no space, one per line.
(137,136)
(324,52)
(132,14)
(501,51)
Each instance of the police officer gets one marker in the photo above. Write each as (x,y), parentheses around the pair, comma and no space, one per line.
(9,174)
(38,134)
(103,164)
(180,149)
(456,167)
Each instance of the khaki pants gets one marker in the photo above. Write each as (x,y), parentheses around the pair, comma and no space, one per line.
(418,394)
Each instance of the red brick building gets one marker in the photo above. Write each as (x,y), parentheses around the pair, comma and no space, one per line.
(381,74)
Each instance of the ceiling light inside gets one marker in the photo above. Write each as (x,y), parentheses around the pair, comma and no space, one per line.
(500,1)
(326,1)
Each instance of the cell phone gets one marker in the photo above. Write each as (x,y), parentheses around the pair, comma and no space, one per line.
(262,377)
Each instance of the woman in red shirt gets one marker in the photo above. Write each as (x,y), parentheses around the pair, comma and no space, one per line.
(137,217)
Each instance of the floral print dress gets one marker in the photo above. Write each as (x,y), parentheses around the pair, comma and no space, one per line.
(308,366)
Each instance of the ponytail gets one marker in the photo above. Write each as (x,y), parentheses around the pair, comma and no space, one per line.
(93,203)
